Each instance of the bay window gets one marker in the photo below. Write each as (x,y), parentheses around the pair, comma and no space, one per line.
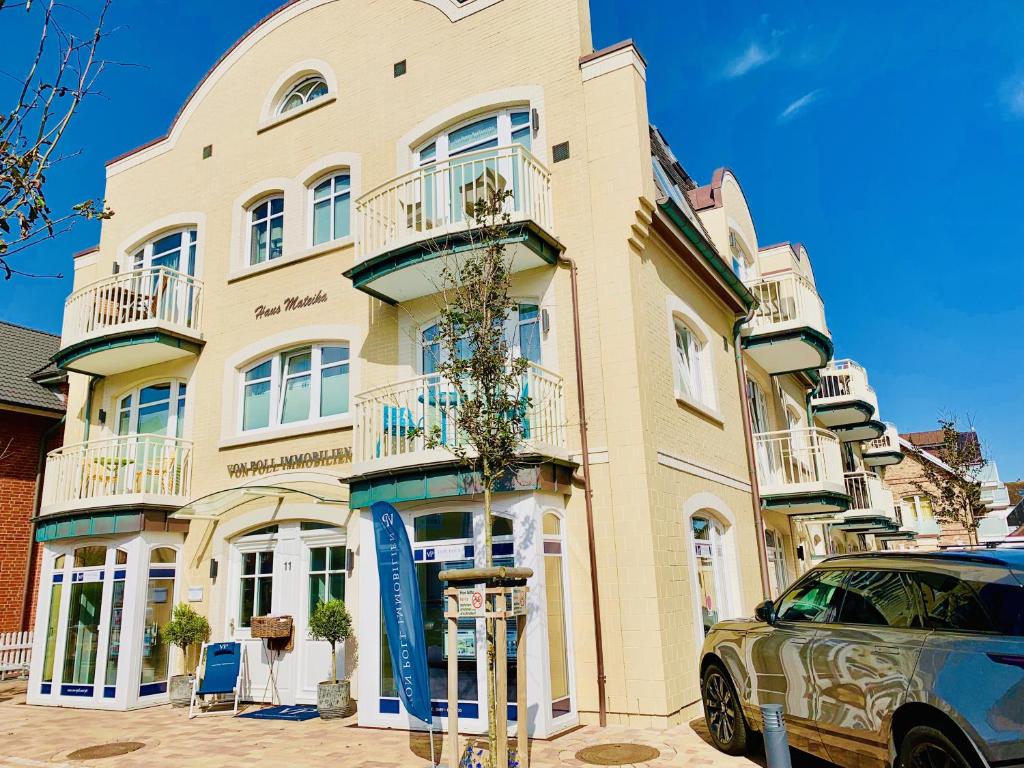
(298,385)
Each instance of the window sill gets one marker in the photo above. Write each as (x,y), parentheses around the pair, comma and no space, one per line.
(287,117)
(283,261)
(344,421)
(700,408)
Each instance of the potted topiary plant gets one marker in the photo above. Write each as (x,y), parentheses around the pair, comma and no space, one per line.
(185,628)
(331,622)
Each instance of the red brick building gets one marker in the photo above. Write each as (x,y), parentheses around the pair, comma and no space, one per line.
(32,401)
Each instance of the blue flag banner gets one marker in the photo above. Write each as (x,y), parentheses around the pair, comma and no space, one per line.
(400,604)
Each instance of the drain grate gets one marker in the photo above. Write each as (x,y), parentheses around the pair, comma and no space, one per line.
(114,749)
(617,754)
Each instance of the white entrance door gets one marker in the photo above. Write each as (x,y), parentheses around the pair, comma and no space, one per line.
(284,570)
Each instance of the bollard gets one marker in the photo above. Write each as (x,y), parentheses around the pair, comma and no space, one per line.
(776,743)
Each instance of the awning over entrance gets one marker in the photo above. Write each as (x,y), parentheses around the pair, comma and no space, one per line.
(213,506)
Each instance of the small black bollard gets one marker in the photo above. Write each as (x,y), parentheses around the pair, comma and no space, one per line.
(776,743)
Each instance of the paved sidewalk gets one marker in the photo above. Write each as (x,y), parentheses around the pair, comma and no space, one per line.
(31,737)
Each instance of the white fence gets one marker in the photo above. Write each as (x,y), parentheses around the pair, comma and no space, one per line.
(134,300)
(788,300)
(15,652)
(889,441)
(791,460)
(844,380)
(438,199)
(410,417)
(868,494)
(118,466)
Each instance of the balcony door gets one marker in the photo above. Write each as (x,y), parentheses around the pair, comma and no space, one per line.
(159,292)
(462,165)
(176,250)
(154,416)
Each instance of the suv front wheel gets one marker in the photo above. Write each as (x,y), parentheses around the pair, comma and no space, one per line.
(926,747)
(723,712)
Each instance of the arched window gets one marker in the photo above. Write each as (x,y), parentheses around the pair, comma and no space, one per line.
(303,384)
(709,555)
(156,409)
(522,333)
(689,364)
(331,201)
(266,229)
(303,92)
(171,250)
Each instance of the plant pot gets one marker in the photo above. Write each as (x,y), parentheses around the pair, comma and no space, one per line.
(179,690)
(332,699)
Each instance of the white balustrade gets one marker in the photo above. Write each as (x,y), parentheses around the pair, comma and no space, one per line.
(136,300)
(798,460)
(844,380)
(130,465)
(408,420)
(868,495)
(439,199)
(786,301)
(889,441)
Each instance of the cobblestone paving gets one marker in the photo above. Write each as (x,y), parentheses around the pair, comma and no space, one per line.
(33,737)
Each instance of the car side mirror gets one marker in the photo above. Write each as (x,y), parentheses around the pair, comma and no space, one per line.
(765,612)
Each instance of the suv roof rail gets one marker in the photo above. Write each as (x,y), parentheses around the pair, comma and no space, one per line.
(988,557)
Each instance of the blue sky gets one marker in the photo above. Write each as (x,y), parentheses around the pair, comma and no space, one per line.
(888,139)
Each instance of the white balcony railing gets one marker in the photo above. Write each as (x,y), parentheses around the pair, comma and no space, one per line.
(438,199)
(117,468)
(138,300)
(888,442)
(787,301)
(401,423)
(797,461)
(868,495)
(844,380)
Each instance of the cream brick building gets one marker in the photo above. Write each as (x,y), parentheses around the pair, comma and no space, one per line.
(250,344)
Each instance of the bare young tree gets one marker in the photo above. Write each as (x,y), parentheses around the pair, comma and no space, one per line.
(61,74)
(955,493)
(481,382)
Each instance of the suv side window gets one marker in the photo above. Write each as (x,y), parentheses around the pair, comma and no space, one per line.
(878,598)
(813,599)
(970,606)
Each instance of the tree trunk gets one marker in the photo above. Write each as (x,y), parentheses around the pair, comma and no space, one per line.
(334,662)
(492,707)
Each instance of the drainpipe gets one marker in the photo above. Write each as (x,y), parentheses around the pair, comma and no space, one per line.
(88,406)
(748,439)
(26,589)
(810,411)
(595,594)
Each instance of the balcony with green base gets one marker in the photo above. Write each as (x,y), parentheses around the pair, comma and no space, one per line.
(406,435)
(884,450)
(412,226)
(132,320)
(800,471)
(787,332)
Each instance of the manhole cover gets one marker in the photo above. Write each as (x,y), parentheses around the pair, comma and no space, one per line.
(100,751)
(617,754)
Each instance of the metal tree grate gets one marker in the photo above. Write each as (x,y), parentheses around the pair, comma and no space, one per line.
(100,751)
(617,754)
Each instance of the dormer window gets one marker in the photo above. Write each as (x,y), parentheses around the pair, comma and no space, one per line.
(303,92)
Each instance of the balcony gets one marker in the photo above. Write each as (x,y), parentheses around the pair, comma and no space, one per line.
(872,509)
(788,331)
(885,449)
(395,423)
(131,320)
(800,471)
(412,226)
(132,470)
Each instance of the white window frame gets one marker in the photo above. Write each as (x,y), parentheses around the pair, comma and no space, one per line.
(689,363)
(141,257)
(706,400)
(280,111)
(333,198)
(173,427)
(277,381)
(252,221)
(512,327)
(504,116)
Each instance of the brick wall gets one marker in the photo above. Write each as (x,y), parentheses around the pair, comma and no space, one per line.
(19,446)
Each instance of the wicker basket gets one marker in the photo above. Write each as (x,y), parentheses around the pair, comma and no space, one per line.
(271,626)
